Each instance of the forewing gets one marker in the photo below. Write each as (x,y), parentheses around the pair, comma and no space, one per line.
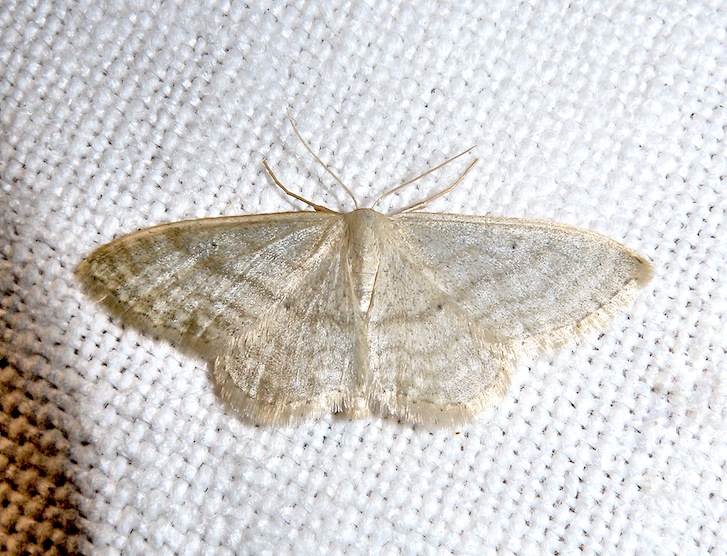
(202,283)
(531,285)
(459,299)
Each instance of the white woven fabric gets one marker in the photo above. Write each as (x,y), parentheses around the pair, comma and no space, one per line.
(604,115)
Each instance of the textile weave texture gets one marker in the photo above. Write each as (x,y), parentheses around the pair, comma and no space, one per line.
(604,115)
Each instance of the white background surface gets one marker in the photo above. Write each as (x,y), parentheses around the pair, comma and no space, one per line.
(604,115)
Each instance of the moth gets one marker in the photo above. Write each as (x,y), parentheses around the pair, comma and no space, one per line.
(415,314)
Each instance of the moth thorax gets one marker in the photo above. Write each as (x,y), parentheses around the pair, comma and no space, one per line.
(364,227)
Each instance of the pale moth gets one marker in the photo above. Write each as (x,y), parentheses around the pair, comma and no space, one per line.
(414,314)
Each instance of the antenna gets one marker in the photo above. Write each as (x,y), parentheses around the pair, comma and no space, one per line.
(319,161)
(421,204)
